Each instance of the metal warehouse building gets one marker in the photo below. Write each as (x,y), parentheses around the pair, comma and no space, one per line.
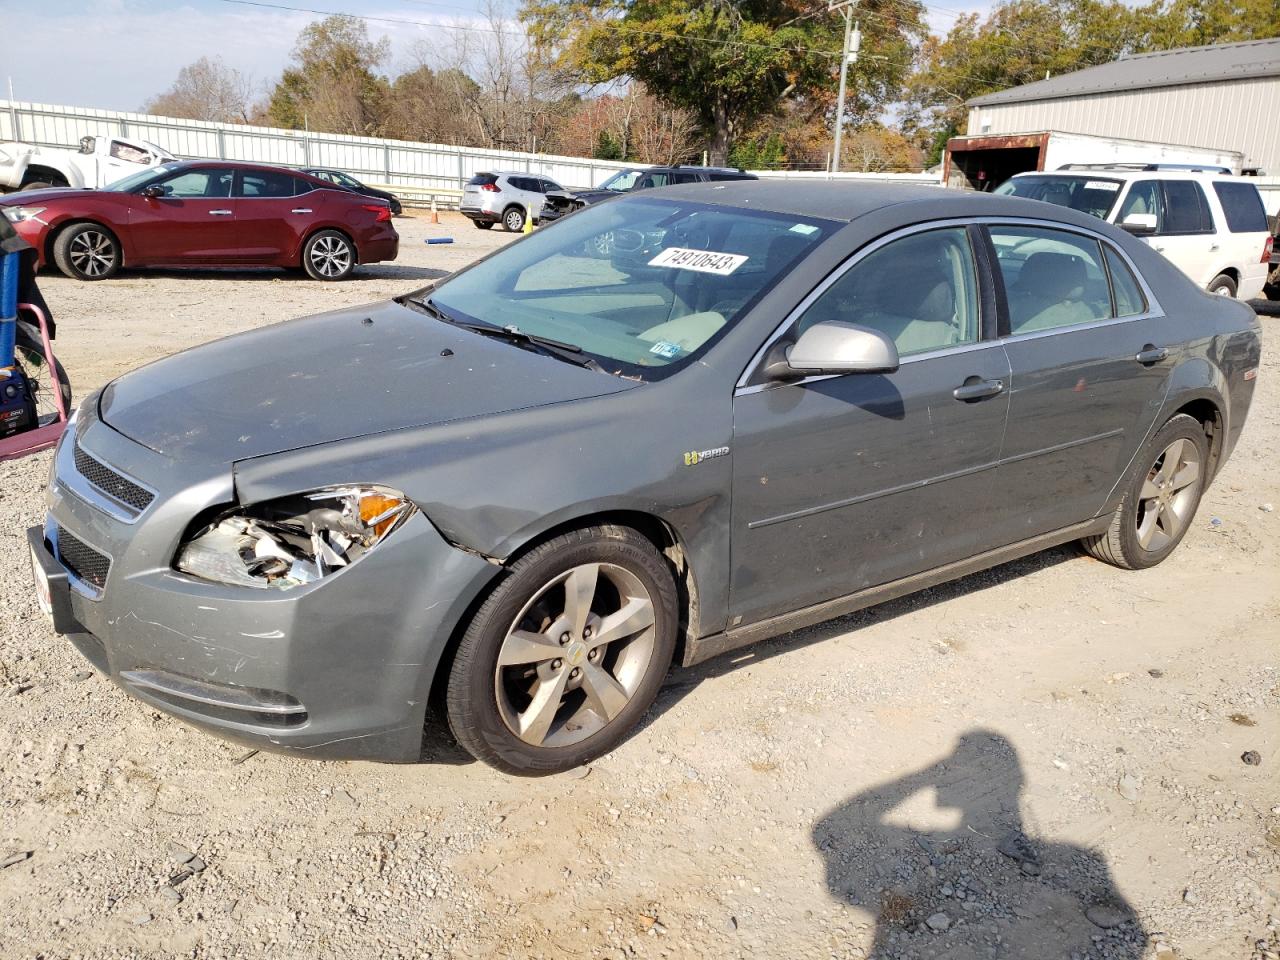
(1225,96)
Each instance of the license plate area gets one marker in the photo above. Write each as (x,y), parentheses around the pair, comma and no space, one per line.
(53,589)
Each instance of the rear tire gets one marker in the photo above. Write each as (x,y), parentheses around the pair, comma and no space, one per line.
(328,255)
(1161,500)
(482,224)
(566,654)
(87,251)
(1223,286)
(35,185)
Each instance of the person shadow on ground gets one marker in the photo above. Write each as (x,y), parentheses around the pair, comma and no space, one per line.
(980,887)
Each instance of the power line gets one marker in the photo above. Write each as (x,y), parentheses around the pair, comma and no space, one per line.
(404,21)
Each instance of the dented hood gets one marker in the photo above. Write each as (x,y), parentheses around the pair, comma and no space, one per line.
(335,376)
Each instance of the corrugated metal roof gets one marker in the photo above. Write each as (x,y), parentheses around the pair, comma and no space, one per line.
(1164,68)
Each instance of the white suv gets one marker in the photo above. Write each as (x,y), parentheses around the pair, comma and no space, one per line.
(506,198)
(1211,225)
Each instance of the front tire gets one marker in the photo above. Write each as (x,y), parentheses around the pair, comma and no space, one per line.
(87,251)
(328,255)
(513,220)
(566,654)
(1223,286)
(1161,500)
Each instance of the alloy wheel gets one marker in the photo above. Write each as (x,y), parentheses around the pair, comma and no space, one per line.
(1168,495)
(514,221)
(330,256)
(575,655)
(93,253)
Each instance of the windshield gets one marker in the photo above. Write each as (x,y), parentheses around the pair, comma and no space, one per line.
(642,286)
(136,181)
(1091,195)
(343,180)
(622,181)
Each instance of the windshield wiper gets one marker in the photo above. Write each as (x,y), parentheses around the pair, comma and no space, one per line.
(568,352)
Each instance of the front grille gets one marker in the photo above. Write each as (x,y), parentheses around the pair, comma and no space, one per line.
(84,562)
(116,486)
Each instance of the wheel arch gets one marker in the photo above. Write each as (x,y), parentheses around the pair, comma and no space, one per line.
(40,172)
(1233,273)
(321,228)
(659,532)
(63,226)
(1205,408)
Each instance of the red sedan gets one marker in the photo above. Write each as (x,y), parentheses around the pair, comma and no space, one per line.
(205,213)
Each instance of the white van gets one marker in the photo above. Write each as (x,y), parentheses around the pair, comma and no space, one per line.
(1211,225)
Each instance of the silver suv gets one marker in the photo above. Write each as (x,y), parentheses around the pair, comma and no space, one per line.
(506,198)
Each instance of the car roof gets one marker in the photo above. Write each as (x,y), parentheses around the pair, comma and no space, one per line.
(1113,173)
(848,200)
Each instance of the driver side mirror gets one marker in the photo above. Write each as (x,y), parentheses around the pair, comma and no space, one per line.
(1139,224)
(835,348)
(152,191)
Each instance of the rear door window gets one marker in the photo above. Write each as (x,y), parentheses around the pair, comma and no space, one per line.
(264,184)
(1242,204)
(1185,208)
(1052,278)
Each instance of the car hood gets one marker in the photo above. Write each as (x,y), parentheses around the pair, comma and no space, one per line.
(335,376)
(30,198)
(586,196)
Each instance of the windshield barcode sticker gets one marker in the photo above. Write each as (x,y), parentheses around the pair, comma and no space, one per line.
(1101,185)
(703,261)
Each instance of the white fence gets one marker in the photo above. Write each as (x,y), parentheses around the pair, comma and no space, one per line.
(391,162)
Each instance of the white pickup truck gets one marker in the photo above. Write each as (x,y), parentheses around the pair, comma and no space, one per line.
(98,162)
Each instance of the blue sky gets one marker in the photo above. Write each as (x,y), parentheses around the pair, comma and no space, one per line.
(114,54)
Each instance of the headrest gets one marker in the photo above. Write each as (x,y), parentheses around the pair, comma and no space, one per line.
(1054,276)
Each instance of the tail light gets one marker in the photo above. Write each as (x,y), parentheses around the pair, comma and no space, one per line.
(490,188)
(382,210)
(1266,250)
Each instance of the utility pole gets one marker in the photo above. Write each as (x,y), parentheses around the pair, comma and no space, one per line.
(848,55)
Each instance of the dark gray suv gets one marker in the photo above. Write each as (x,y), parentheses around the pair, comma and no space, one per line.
(522,494)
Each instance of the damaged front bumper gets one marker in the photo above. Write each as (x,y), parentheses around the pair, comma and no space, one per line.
(338,668)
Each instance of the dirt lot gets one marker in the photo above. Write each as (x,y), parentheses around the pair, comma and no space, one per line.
(1040,761)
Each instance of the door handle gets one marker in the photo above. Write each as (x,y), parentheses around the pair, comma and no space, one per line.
(1151,354)
(300,210)
(219,213)
(1213,247)
(974,389)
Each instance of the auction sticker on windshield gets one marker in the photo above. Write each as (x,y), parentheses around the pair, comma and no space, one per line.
(703,261)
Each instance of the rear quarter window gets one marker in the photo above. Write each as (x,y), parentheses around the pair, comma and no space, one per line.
(1242,205)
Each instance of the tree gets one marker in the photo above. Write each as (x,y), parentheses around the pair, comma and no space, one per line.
(877,149)
(1020,41)
(430,105)
(206,90)
(729,62)
(607,148)
(332,84)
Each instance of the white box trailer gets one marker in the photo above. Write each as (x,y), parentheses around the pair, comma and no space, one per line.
(985,161)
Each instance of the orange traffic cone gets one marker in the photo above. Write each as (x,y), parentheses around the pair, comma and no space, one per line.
(435,217)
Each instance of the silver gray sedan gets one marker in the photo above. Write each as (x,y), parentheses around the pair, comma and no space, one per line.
(522,494)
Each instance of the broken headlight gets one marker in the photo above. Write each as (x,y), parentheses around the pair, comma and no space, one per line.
(294,540)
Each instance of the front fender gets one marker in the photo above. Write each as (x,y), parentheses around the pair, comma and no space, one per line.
(493,486)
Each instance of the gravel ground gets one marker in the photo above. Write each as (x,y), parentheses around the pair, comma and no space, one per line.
(1041,761)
